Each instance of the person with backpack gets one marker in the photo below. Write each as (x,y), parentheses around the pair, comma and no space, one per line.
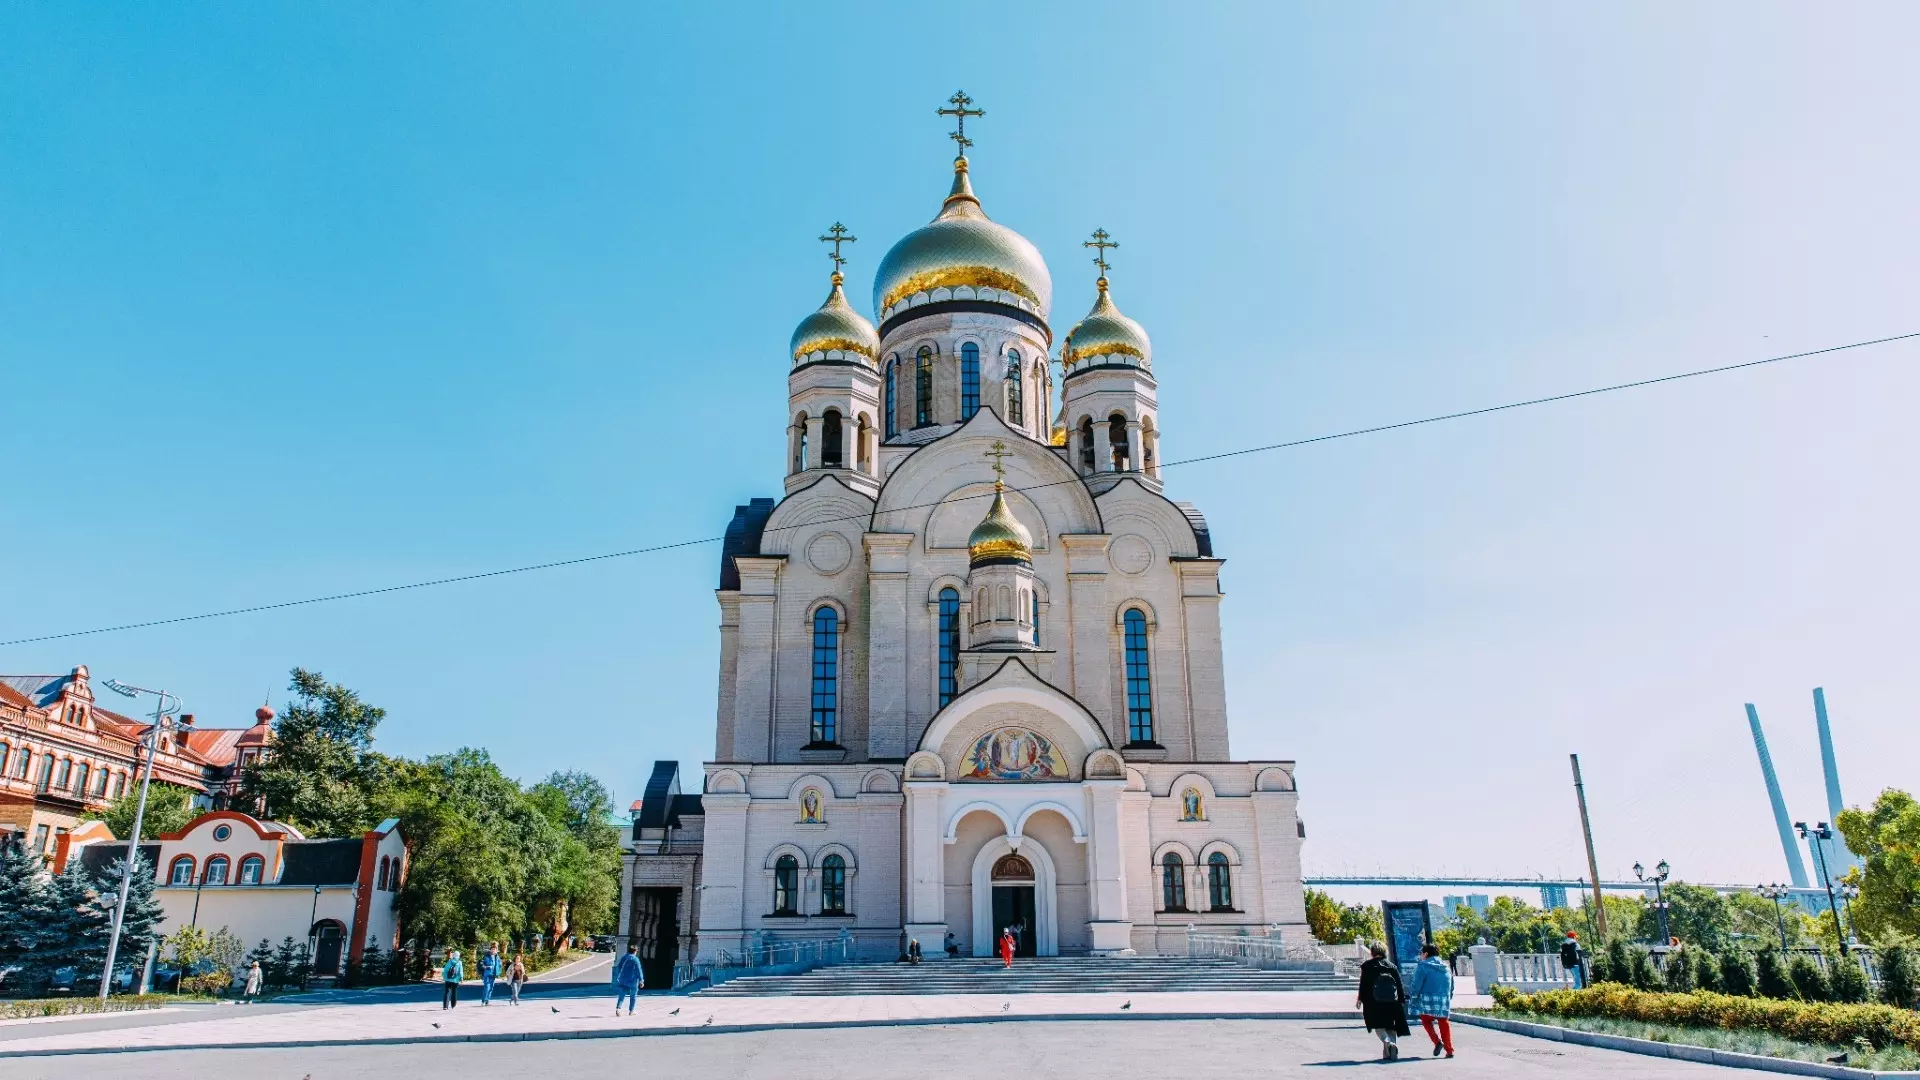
(1572,962)
(451,976)
(1432,998)
(1382,1002)
(626,980)
(489,971)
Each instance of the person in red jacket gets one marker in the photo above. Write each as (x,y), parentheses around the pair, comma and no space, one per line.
(1006,946)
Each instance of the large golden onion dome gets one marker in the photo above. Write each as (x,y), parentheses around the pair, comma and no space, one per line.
(999,537)
(836,328)
(961,248)
(1107,333)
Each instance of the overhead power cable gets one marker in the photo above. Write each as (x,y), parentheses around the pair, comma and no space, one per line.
(655,548)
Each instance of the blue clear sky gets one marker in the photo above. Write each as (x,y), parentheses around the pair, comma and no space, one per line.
(305,298)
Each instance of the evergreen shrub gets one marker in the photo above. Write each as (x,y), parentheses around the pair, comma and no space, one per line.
(1678,972)
(1736,974)
(1809,982)
(1848,980)
(1880,1026)
(1706,970)
(1897,976)
(1770,976)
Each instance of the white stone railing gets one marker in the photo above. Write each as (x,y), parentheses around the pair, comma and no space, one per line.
(1268,952)
(1529,972)
(773,956)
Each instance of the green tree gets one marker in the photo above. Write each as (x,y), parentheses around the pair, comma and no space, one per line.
(1677,972)
(74,926)
(1706,970)
(1809,982)
(23,906)
(140,925)
(206,959)
(169,808)
(322,776)
(580,892)
(1335,923)
(1699,916)
(1848,980)
(1757,919)
(1736,974)
(478,849)
(1642,974)
(1897,976)
(1887,840)
(1770,976)
(286,960)
(1619,962)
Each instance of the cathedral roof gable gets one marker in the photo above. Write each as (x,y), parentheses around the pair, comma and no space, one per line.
(1013,682)
(826,501)
(928,476)
(1174,521)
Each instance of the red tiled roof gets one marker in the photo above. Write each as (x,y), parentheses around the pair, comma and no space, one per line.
(14,697)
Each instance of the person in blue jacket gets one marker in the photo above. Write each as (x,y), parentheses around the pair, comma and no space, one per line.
(1431,998)
(489,971)
(450,978)
(626,980)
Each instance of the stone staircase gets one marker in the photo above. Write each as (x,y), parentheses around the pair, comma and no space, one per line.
(1053,975)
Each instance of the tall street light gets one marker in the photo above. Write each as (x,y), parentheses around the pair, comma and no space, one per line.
(1849,892)
(1776,892)
(1822,833)
(163,720)
(1659,878)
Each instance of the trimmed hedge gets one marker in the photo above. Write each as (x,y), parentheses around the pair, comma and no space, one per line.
(1823,1022)
(23,1008)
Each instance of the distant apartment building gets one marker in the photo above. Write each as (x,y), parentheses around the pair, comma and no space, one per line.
(62,755)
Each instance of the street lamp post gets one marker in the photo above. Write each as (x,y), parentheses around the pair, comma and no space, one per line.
(1659,878)
(1822,832)
(1849,892)
(313,938)
(1775,893)
(163,719)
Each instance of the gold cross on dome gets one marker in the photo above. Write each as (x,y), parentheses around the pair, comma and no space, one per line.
(998,452)
(960,112)
(837,236)
(1100,243)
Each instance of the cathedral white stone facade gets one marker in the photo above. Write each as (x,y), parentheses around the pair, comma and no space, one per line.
(949,705)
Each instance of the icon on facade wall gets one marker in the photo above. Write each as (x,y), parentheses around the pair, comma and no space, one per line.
(1190,808)
(1013,754)
(810,807)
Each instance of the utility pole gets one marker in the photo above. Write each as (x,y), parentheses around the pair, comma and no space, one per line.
(1593,864)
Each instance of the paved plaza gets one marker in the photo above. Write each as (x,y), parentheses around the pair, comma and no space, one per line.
(1063,1050)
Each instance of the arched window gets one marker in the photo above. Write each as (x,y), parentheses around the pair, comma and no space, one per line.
(251,869)
(181,871)
(1219,884)
(786,885)
(832,445)
(380,880)
(833,885)
(119,784)
(1086,444)
(969,380)
(800,443)
(216,871)
(1117,435)
(826,675)
(6,751)
(1015,413)
(393,878)
(923,387)
(65,774)
(46,772)
(1173,882)
(893,396)
(80,778)
(24,765)
(949,645)
(1139,679)
(1036,616)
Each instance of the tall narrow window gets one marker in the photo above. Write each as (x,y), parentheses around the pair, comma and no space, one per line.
(786,885)
(893,396)
(1036,616)
(1086,445)
(969,380)
(826,675)
(1173,882)
(832,442)
(5,751)
(800,443)
(1219,884)
(66,772)
(25,763)
(833,885)
(923,387)
(1117,435)
(80,778)
(949,645)
(1139,679)
(1015,406)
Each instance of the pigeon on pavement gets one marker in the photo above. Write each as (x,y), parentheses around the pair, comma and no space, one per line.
(709,1022)
(436,1025)
(675,1012)
(1005,1005)
(1127,1005)
(555,1008)
(1838,1059)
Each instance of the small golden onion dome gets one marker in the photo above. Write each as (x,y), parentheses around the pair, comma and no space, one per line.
(960,247)
(999,537)
(1106,332)
(836,327)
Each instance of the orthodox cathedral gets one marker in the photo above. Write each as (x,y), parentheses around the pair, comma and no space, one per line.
(970,662)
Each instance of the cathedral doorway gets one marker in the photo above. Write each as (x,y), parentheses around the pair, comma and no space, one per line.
(655,928)
(1013,904)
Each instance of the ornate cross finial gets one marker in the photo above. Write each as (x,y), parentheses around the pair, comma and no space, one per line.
(837,236)
(999,451)
(960,112)
(1100,243)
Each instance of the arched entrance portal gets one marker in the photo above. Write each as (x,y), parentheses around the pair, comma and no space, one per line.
(1012,878)
(1015,888)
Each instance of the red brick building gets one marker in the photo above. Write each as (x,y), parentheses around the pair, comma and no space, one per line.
(63,755)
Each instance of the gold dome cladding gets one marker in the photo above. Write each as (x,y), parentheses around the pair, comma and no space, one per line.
(962,247)
(999,537)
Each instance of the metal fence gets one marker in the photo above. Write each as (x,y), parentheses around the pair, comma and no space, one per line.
(1270,952)
(788,955)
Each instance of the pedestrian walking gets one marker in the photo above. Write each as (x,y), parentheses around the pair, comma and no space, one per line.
(254,981)
(1006,946)
(1432,998)
(1382,1002)
(517,976)
(1571,960)
(489,971)
(451,975)
(626,980)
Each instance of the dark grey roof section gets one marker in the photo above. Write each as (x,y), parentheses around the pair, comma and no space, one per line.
(44,690)
(320,862)
(688,806)
(657,803)
(1201,535)
(98,858)
(742,538)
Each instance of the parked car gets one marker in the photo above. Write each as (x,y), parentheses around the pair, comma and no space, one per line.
(602,943)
